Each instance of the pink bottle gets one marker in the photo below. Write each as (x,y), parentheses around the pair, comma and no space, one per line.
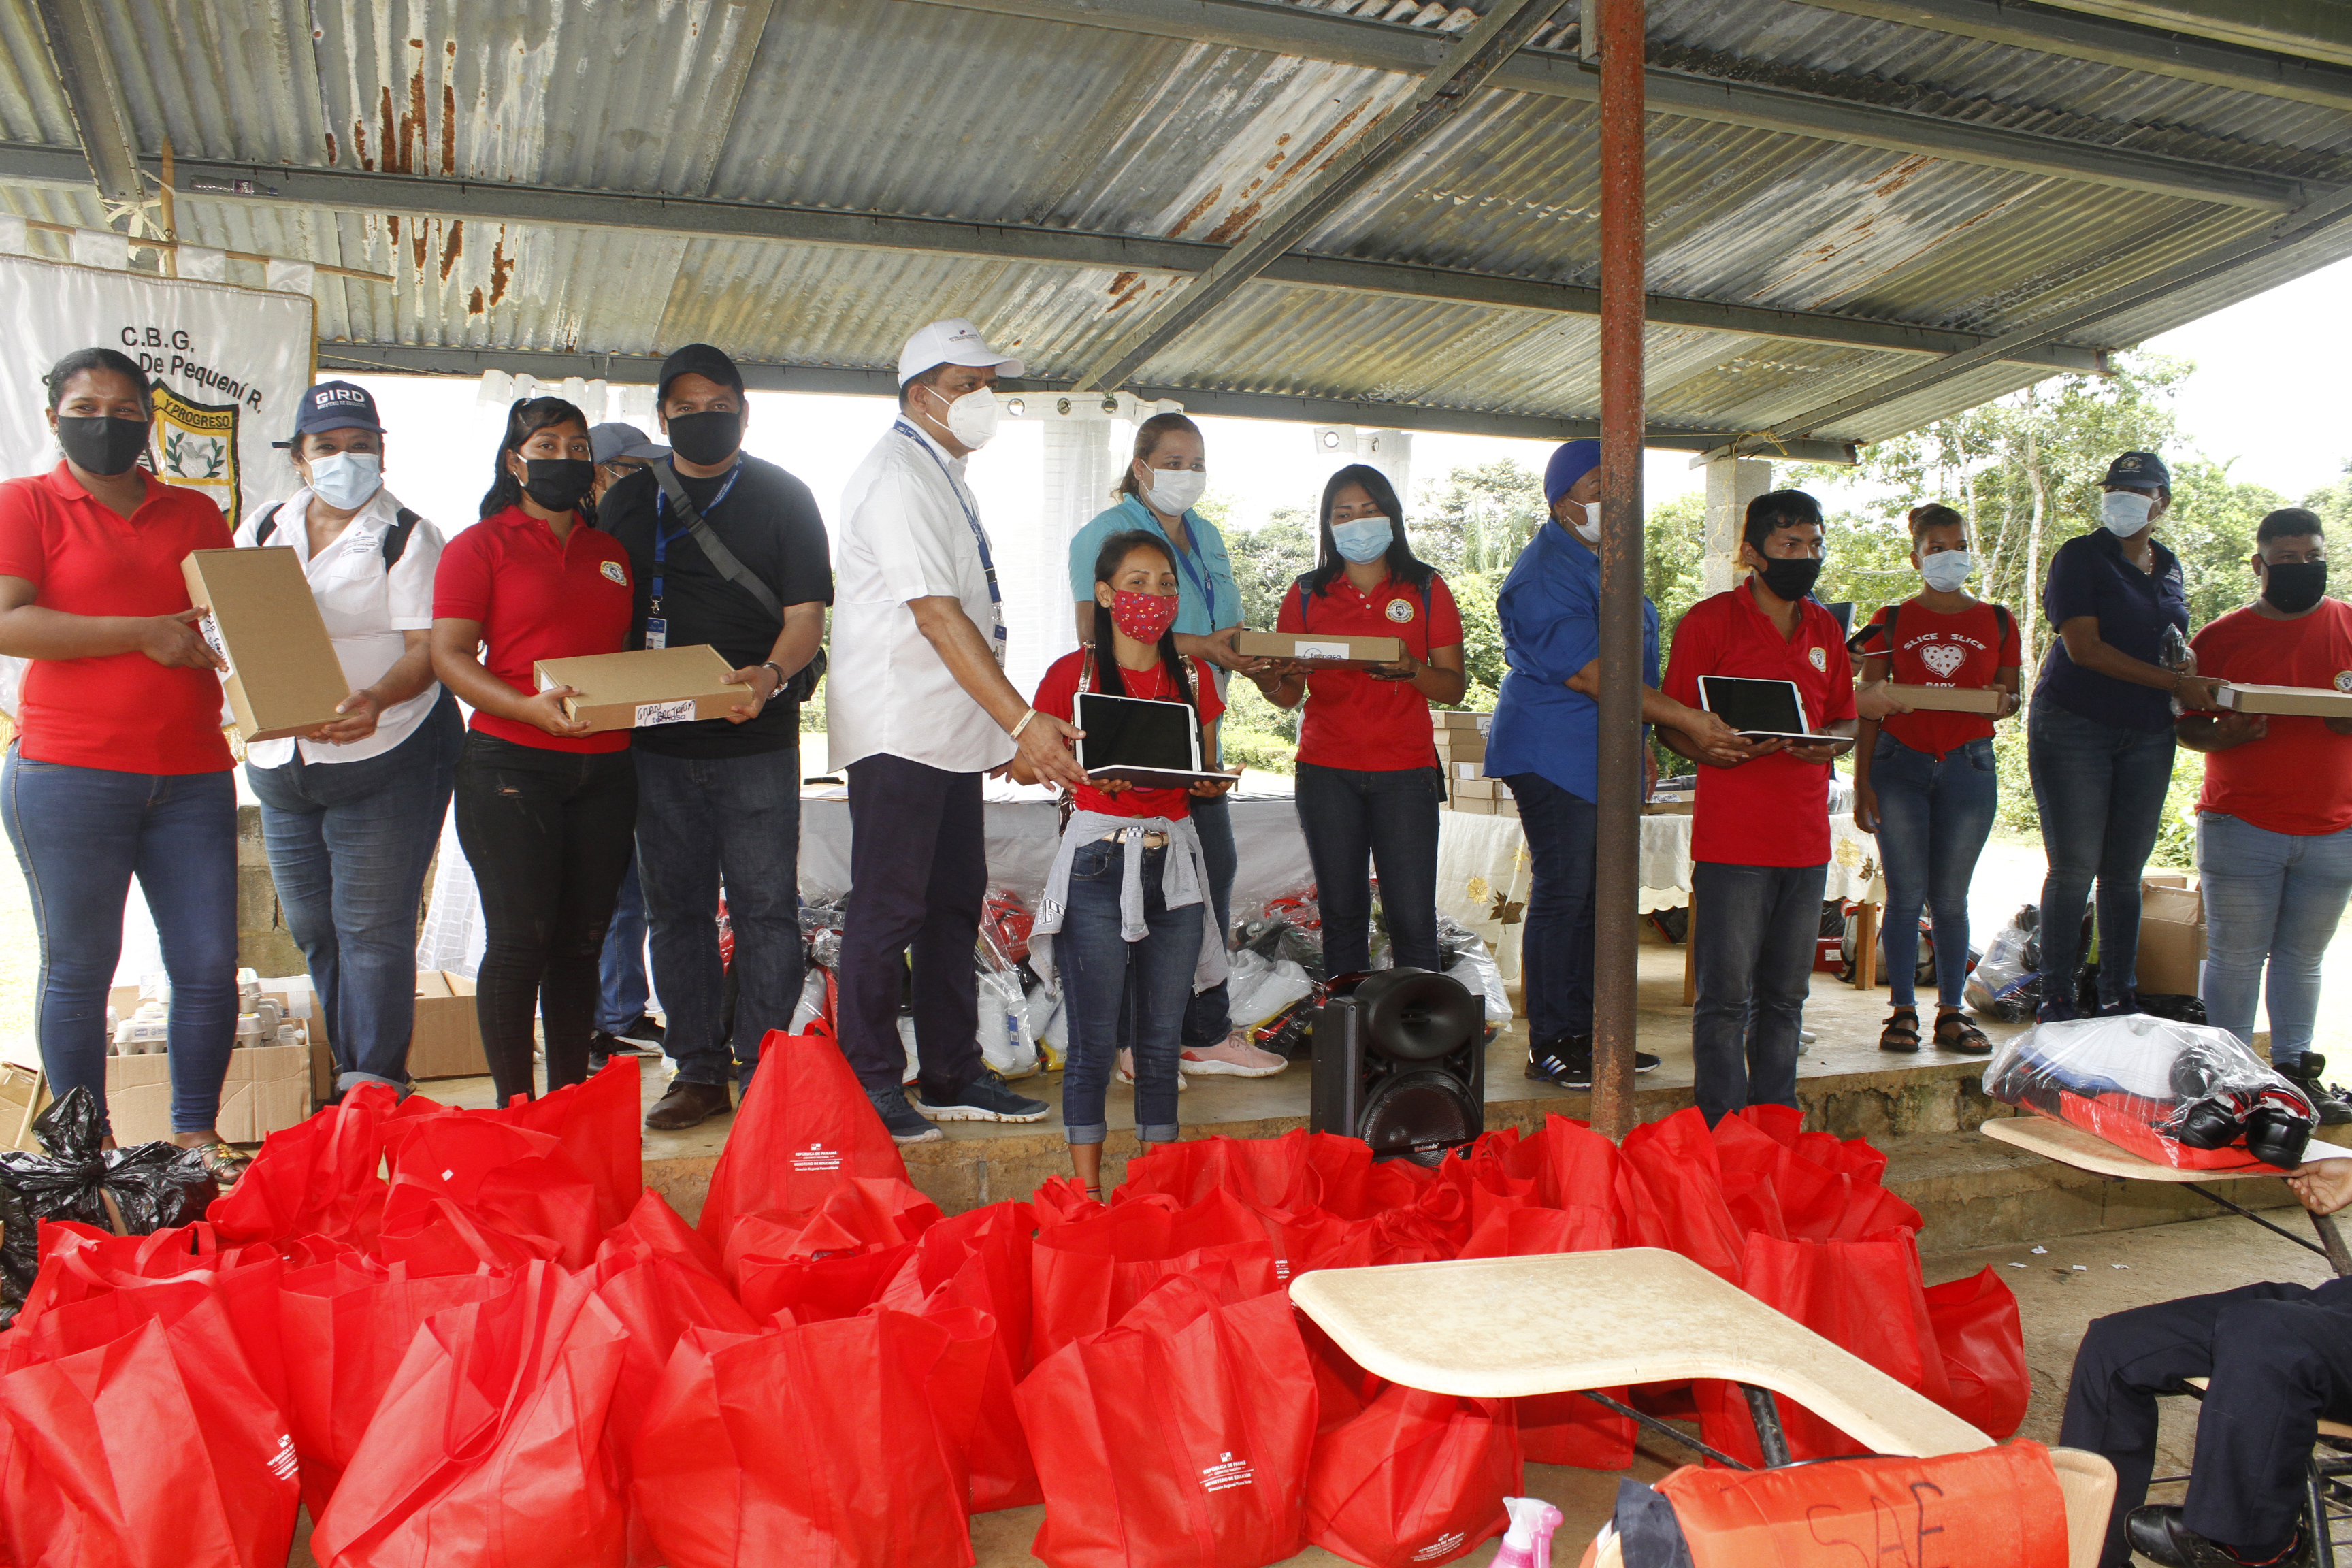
(1527,1543)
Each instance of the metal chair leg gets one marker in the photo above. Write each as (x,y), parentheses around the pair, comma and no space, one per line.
(1765,1411)
(2315,1513)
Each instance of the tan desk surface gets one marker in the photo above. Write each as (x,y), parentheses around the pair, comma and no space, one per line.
(1503,1327)
(2085,1151)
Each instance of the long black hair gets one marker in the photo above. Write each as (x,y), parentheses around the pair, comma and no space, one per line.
(1108,561)
(1403,566)
(525,417)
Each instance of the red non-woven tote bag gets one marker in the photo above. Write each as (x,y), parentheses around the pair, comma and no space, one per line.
(1087,1273)
(1670,1194)
(1414,1477)
(1262,1173)
(144,1453)
(655,1230)
(511,1182)
(489,1450)
(1983,1346)
(1179,1440)
(813,1446)
(595,1125)
(318,1176)
(804,1123)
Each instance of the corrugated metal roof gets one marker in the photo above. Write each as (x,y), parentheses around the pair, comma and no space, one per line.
(935,111)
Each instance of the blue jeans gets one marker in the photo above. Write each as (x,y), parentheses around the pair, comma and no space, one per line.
(1556,943)
(80,835)
(1208,1017)
(1933,819)
(1118,989)
(2100,791)
(621,990)
(2272,897)
(703,822)
(1752,955)
(1358,824)
(349,845)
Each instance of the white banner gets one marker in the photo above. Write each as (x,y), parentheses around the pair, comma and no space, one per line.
(229,365)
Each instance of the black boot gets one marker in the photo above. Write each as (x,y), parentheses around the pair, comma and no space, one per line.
(2334,1111)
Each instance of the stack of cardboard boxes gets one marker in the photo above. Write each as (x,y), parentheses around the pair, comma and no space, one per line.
(1462,752)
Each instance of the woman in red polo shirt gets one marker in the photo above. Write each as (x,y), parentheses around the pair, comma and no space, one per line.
(1369,781)
(118,764)
(546,810)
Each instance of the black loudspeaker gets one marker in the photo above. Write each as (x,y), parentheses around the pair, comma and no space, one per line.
(1401,1062)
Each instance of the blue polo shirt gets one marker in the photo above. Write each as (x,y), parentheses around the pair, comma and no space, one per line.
(2090,576)
(1208,598)
(1550,609)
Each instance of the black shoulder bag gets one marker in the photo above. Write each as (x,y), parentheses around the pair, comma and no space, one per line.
(802,685)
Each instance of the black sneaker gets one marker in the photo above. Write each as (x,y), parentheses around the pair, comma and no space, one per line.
(1566,1061)
(984,1099)
(1645,1062)
(605,1043)
(2303,1073)
(642,1031)
(899,1116)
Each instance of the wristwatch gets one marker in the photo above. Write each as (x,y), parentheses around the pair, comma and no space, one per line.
(772,664)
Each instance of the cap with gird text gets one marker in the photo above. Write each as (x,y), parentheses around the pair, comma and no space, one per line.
(2140,470)
(952,341)
(607,443)
(1570,461)
(333,405)
(698,358)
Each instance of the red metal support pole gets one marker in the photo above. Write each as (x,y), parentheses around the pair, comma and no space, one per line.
(1621,26)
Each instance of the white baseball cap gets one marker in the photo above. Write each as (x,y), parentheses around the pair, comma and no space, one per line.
(952,341)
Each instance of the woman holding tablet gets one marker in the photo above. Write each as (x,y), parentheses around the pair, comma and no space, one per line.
(1369,781)
(1121,919)
(1923,781)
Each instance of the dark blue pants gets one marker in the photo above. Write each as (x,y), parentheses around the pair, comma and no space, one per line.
(918,875)
(622,992)
(1121,993)
(2280,1357)
(1358,824)
(1208,1017)
(1556,943)
(1753,958)
(2100,791)
(1933,817)
(702,822)
(80,835)
(348,845)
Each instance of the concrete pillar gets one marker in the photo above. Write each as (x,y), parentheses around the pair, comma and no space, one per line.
(1732,484)
(1389,451)
(263,944)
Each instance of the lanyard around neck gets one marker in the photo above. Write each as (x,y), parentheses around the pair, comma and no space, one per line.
(979,534)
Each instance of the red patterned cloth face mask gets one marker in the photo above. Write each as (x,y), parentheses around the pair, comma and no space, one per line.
(1145,618)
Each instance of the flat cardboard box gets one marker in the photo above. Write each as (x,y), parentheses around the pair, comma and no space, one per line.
(1487,806)
(1325,650)
(1484,789)
(1452,718)
(2171,937)
(650,685)
(1668,808)
(448,1041)
(1949,699)
(24,1095)
(283,677)
(2319,701)
(1465,769)
(1459,746)
(267,1090)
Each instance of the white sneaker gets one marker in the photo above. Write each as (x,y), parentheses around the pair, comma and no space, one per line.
(1127,1072)
(1233,1057)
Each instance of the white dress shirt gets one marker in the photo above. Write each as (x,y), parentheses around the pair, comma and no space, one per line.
(906,534)
(366,610)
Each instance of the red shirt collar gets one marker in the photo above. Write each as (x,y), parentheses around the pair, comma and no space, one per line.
(61,482)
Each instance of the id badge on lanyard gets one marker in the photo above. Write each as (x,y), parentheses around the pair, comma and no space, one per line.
(658,623)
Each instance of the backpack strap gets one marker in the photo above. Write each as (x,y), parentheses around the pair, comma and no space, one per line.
(395,538)
(266,528)
(2001,618)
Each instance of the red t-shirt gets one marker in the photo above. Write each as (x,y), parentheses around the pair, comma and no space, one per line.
(1057,694)
(1966,649)
(537,597)
(2298,777)
(1350,720)
(121,712)
(1774,811)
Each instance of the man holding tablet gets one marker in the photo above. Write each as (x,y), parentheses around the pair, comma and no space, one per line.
(1761,831)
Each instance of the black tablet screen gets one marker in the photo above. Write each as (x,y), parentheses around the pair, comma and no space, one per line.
(1128,731)
(1755,706)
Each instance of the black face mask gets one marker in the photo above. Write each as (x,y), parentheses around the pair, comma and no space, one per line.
(101,446)
(1790,579)
(2293,587)
(559,484)
(706,439)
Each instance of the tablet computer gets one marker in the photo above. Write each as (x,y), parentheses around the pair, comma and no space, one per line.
(1759,709)
(1153,743)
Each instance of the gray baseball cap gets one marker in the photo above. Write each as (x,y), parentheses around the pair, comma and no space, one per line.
(608,442)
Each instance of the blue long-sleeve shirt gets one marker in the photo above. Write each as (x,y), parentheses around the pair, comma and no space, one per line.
(1550,609)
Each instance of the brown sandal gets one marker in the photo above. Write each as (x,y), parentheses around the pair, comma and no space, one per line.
(1899,1037)
(1954,1033)
(224,1162)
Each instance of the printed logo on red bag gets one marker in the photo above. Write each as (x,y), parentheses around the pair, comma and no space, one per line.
(283,1464)
(816,1157)
(1443,1546)
(1226,1474)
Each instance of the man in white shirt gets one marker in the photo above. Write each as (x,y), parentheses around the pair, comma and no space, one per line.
(918,710)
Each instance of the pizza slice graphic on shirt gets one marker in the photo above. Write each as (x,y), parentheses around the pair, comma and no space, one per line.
(1945,658)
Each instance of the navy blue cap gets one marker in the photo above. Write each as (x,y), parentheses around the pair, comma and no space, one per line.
(2139,471)
(333,405)
(1570,461)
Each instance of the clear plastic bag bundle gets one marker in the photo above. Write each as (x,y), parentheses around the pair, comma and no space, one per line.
(2006,983)
(2183,1095)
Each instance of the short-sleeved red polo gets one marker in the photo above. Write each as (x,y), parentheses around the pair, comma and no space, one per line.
(536,597)
(121,712)
(1774,811)
(1350,720)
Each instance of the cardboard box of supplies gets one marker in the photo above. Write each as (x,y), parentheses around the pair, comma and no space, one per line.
(2172,934)
(1481,788)
(2319,701)
(267,1090)
(448,1042)
(1327,650)
(282,676)
(1949,699)
(652,686)
(1454,719)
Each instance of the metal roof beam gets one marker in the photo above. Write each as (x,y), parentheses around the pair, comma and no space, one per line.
(2321,31)
(1278,27)
(102,115)
(628,369)
(1386,140)
(332,190)
(2051,30)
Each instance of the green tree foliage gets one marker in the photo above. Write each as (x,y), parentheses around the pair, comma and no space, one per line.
(1475,520)
(1267,560)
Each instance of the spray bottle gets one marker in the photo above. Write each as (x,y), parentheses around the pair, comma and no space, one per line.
(1527,1543)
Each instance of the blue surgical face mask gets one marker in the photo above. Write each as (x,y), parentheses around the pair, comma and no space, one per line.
(1362,538)
(345,481)
(1947,569)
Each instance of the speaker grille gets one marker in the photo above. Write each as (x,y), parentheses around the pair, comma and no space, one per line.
(1416,1109)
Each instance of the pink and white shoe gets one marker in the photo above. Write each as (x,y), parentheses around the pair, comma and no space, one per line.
(1233,1057)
